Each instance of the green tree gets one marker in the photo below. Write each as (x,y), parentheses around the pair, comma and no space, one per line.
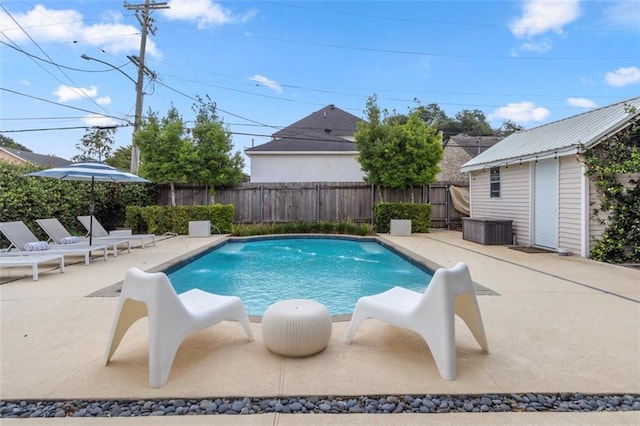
(214,162)
(432,114)
(397,155)
(508,127)
(470,122)
(95,145)
(164,149)
(121,158)
(8,142)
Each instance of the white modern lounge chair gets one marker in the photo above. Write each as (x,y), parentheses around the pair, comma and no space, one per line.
(171,317)
(19,235)
(431,314)
(58,234)
(98,231)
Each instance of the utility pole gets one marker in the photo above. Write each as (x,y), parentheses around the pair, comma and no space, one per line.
(143,14)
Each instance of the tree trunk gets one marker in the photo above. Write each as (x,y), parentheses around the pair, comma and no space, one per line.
(173,194)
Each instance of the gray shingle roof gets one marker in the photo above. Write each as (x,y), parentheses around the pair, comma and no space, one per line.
(570,135)
(38,159)
(473,145)
(329,129)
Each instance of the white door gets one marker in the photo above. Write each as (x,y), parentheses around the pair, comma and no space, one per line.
(545,223)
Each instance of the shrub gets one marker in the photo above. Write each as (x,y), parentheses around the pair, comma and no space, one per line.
(419,214)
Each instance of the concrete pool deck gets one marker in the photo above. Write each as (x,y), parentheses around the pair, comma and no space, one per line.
(558,324)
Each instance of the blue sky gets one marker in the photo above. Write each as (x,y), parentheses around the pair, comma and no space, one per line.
(268,64)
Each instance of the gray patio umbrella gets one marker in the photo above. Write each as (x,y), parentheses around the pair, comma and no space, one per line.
(90,172)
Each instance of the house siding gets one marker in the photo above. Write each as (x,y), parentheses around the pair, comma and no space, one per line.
(570,217)
(312,167)
(513,203)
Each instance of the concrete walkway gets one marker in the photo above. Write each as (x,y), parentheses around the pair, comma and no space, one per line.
(558,324)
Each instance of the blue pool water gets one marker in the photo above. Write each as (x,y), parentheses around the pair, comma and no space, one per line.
(332,271)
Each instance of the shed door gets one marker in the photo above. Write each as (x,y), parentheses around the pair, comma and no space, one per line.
(546,204)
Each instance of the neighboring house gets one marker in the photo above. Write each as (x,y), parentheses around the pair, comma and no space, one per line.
(318,148)
(23,157)
(458,150)
(537,179)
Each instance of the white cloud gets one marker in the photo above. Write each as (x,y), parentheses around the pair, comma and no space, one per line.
(541,16)
(106,100)
(581,103)
(262,80)
(67,93)
(205,13)
(25,82)
(623,14)
(67,26)
(623,76)
(97,120)
(521,112)
(538,47)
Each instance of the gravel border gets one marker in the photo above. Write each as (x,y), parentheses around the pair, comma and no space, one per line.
(415,404)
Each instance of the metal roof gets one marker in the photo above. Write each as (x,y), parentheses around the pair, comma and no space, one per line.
(567,136)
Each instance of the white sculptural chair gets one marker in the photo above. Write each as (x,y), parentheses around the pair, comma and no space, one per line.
(171,317)
(431,314)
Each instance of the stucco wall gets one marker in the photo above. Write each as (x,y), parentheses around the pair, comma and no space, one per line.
(5,156)
(305,168)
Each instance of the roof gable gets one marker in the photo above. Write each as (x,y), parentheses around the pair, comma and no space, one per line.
(473,145)
(570,135)
(38,159)
(329,129)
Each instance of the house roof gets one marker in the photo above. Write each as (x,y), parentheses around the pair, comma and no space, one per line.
(329,129)
(37,159)
(570,135)
(473,145)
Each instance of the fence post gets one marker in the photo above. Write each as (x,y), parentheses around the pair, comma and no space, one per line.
(261,204)
(318,202)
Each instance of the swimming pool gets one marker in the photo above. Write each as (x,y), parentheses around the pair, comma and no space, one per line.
(332,271)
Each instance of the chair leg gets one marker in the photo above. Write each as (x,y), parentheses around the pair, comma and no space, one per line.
(356,319)
(127,313)
(244,321)
(163,346)
(442,344)
(466,307)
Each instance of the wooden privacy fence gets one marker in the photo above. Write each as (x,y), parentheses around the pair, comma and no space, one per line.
(315,202)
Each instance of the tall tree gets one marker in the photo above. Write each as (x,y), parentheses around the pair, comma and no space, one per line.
(214,162)
(470,122)
(95,145)
(397,155)
(164,149)
(508,127)
(170,153)
(121,158)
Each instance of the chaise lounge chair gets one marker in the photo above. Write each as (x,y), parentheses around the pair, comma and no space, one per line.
(21,238)
(30,260)
(171,317)
(98,231)
(431,314)
(59,234)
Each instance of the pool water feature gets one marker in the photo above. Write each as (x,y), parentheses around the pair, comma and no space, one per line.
(333,271)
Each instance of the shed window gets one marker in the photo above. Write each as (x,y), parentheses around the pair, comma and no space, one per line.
(494,182)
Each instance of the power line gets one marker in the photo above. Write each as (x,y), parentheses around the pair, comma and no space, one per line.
(62,105)
(82,93)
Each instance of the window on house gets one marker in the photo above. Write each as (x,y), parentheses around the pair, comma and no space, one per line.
(494,182)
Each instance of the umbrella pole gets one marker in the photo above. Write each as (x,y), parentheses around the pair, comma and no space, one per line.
(91,208)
